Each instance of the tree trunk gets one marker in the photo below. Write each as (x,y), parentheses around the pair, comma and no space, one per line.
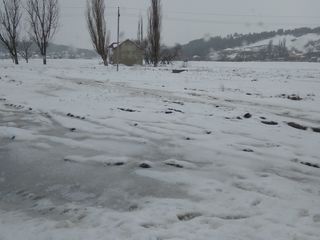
(44,56)
(154,32)
(10,16)
(105,61)
(16,61)
(15,55)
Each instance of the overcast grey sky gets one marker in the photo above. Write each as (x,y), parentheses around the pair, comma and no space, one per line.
(185,20)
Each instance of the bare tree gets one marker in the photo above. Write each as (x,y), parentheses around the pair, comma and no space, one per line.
(25,49)
(43,18)
(97,27)
(270,50)
(154,31)
(168,55)
(10,16)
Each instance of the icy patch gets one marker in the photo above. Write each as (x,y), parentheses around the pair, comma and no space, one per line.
(42,145)
(16,134)
(105,160)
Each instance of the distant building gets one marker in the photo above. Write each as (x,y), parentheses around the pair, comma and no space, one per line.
(129,53)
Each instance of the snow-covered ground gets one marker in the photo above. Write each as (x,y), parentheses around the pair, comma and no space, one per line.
(145,154)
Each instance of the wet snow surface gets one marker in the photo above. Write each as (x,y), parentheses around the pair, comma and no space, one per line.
(224,151)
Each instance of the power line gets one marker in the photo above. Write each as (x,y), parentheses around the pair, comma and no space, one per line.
(229,14)
(212,13)
(209,21)
(222,22)
(112,11)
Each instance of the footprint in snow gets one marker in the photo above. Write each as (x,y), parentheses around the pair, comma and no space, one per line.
(247,115)
(302,127)
(297,126)
(310,164)
(233,217)
(128,110)
(145,165)
(179,164)
(256,202)
(175,110)
(14,106)
(248,150)
(168,112)
(272,123)
(316,218)
(188,216)
(75,116)
(174,102)
(317,130)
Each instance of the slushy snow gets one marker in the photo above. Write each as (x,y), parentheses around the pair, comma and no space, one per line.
(144,154)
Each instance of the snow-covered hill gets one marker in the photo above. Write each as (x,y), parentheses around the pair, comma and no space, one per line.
(303,44)
(278,48)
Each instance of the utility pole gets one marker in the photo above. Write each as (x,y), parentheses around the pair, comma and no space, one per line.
(118,40)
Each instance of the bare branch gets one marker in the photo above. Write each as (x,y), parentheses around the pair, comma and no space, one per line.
(25,49)
(97,28)
(10,16)
(43,16)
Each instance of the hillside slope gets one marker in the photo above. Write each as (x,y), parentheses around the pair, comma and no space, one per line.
(304,44)
(279,47)
(302,40)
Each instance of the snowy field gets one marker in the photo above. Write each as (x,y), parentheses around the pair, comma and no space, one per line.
(226,151)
